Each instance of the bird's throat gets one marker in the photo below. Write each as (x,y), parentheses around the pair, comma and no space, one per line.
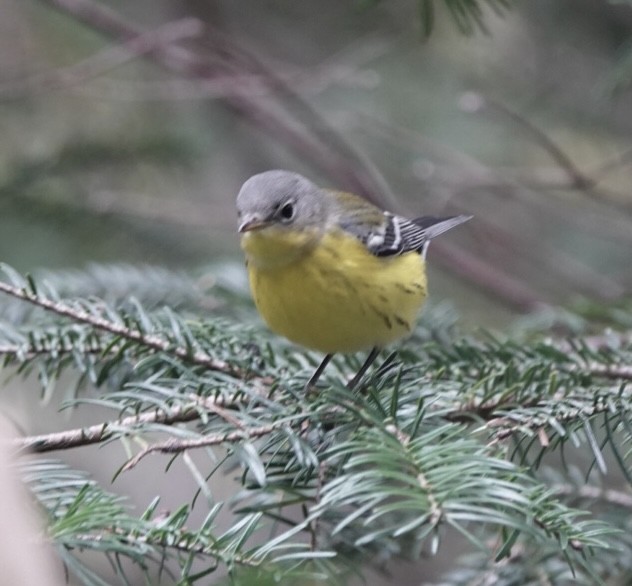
(275,247)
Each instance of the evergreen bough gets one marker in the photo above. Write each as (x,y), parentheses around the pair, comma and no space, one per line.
(504,441)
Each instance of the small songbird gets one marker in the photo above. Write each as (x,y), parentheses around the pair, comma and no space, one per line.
(329,270)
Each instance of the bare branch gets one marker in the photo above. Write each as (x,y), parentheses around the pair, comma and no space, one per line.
(472,102)
(457,173)
(106,59)
(324,146)
(487,277)
(344,71)
(577,179)
(622,160)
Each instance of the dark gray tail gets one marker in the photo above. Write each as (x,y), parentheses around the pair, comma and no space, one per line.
(433,227)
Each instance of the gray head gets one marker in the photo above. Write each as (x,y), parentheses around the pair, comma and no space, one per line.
(282,199)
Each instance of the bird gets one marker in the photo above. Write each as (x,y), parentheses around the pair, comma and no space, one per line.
(329,270)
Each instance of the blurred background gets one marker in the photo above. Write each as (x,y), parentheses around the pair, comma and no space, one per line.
(115,152)
(127,129)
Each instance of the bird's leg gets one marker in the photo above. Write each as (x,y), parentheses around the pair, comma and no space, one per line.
(387,364)
(369,360)
(312,381)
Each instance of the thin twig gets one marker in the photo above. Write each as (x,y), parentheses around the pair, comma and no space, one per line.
(225,414)
(303,81)
(170,539)
(471,101)
(101,432)
(361,176)
(154,342)
(325,148)
(621,160)
(460,173)
(436,512)
(487,277)
(105,60)
(608,495)
(611,371)
(176,446)
(14,350)
(464,172)
(314,524)
(503,427)
(485,412)
(578,180)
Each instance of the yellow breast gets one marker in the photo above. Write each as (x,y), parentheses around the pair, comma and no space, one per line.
(332,295)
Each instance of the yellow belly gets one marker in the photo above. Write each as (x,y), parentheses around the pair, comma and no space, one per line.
(336,297)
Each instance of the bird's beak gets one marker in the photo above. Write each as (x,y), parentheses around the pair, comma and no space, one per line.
(250,224)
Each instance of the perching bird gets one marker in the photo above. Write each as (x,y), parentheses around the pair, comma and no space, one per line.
(330,271)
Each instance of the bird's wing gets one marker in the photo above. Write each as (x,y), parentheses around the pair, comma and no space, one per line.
(386,234)
(399,235)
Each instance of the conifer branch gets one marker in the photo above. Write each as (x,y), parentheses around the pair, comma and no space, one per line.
(173,540)
(177,446)
(102,432)
(14,350)
(415,451)
(77,314)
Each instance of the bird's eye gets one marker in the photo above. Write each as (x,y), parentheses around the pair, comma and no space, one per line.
(287,211)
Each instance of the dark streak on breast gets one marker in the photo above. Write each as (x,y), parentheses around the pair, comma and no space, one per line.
(405,289)
(402,322)
(384,317)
